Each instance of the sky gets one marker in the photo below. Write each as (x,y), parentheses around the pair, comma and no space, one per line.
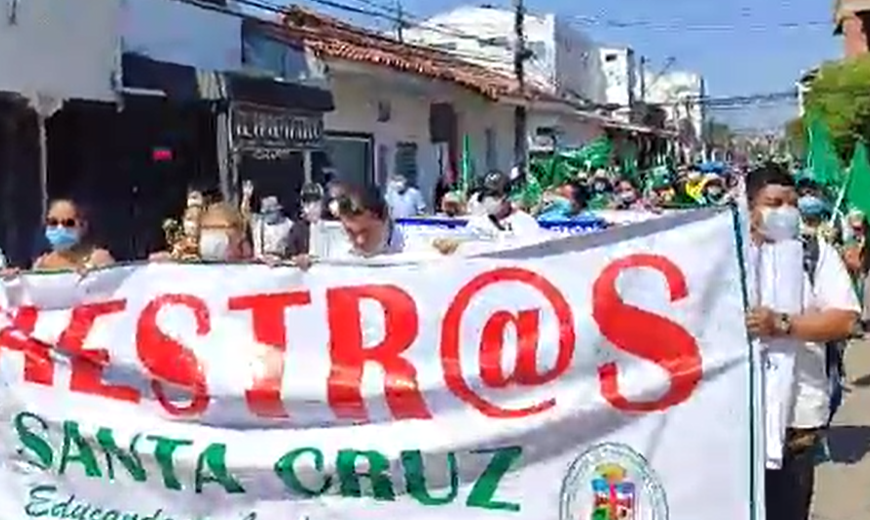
(741,47)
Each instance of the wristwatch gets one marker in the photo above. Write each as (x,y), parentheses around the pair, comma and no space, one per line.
(783,324)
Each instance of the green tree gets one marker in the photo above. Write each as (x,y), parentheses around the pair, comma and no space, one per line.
(718,134)
(840,96)
(796,137)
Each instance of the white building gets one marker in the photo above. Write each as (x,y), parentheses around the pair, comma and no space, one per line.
(621,78)
(63,50)
(564,61)
(681,95)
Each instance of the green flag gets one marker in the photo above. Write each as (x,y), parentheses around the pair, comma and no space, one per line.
(467,166)
(858,190)
(822,163)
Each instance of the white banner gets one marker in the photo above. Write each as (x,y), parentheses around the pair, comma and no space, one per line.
(599,377)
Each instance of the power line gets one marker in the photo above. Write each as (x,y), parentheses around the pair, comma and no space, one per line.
(677,25)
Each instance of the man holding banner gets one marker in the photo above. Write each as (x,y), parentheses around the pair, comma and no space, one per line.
(829,312)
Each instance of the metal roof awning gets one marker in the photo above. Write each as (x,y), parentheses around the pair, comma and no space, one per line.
(143,76)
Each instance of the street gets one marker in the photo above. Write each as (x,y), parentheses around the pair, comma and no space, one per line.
(843,483)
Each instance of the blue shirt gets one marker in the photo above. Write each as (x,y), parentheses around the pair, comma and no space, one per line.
(406,204)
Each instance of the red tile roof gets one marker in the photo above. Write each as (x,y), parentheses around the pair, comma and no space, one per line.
(332,38)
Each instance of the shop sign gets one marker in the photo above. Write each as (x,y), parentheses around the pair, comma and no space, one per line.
(262,129)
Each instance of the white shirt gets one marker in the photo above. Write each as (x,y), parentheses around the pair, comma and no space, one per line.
(270,239)
(406,204)
(832,290)
(518,223)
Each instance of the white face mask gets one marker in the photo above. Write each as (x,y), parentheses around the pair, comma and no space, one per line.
(333,208)
(782,223)
(492,205)
(214,245)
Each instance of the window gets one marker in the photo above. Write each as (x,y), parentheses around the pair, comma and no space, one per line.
(406,161)
(264,55)
(610,57)
(491,149)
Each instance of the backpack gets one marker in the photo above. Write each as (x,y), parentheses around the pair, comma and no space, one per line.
(834,350)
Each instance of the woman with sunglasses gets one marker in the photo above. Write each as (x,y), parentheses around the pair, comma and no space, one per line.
(66,231)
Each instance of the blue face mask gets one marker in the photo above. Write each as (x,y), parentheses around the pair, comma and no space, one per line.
(61,238)
(810,205)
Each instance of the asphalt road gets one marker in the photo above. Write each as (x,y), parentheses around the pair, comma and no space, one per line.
(843,482)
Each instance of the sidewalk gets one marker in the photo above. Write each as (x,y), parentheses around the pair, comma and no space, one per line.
(843,484)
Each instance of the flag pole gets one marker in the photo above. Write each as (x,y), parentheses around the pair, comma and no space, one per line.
(840,197)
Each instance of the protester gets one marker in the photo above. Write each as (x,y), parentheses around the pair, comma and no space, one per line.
(829,313)
(404,201)
(66,231)
(222,237)
(571,199)
(627,196)
(270,230)
(334,191)
(300,241)
(814,214)
(500,214)
(714,191)
(452,205)
(366,219)
(601,191)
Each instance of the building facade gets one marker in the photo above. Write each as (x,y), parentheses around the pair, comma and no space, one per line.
(680,94)
(405,108)
(620,71)
(48,66)
(564,62)
(852,21)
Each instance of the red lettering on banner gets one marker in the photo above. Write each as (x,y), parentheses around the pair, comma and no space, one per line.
(87,364)
(527,327)
(167,359)
(38,365)
(267,316)
(348,355)
(646,335)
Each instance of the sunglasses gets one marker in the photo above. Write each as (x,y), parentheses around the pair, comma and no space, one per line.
(66,222)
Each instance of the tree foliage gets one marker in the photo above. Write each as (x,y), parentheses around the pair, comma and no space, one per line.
(796,137)
(719,134)
(840,96)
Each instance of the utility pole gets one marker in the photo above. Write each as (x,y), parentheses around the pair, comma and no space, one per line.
(400,21)
(642,79)
(520,116)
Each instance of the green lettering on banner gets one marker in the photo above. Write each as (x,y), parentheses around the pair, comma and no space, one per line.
(285,468)
(34,508)
(62,509)
(84,454)
(378,474)
(214,459)
(415,478)
(130,460)
(483,491)
(33,443)
(163,454)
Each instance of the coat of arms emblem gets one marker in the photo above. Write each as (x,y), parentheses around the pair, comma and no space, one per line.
(612,482)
